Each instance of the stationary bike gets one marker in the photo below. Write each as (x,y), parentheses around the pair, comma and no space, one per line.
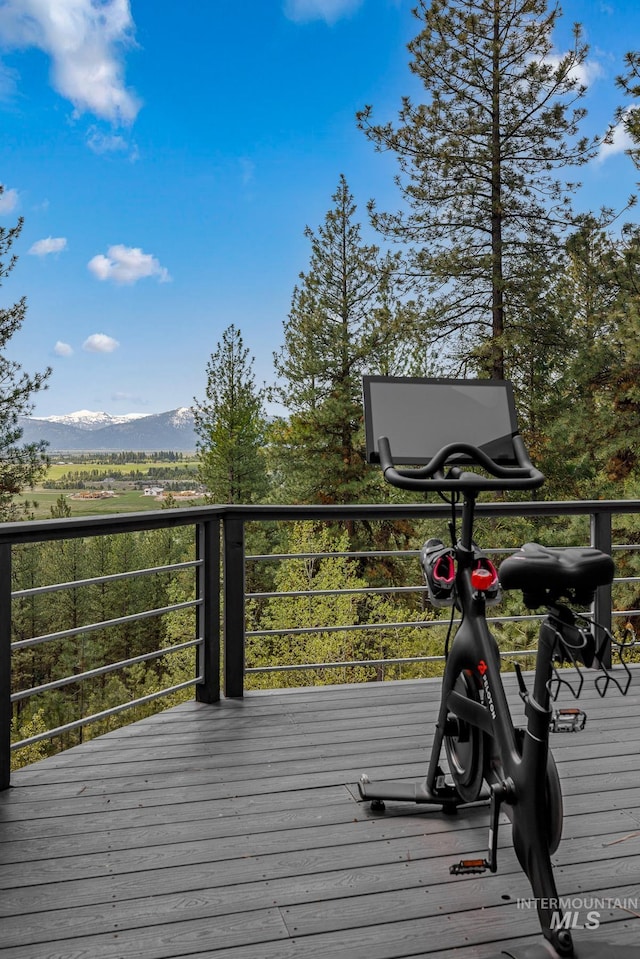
(484,750)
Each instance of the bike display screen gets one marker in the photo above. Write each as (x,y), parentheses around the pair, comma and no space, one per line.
(421,416)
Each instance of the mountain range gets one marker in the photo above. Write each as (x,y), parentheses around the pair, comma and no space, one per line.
(87,431)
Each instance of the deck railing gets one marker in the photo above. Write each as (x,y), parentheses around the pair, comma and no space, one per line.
(219,592)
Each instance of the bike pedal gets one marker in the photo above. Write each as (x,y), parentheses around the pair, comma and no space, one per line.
(468,866)
(568,721)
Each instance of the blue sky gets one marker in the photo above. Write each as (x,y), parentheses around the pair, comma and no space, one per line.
(166,158)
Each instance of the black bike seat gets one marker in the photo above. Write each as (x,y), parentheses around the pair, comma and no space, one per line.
(546,574)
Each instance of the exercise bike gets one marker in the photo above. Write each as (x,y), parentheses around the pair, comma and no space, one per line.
(484,750)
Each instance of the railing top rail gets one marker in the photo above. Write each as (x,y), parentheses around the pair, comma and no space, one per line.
(37,531)
(30,531)
(264,513)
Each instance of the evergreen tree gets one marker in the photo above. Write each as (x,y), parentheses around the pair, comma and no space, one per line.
(230,424)
(629,83)
(619,373)
(593,427)
(478,161)
(21,465)
(583,298)
(345,319)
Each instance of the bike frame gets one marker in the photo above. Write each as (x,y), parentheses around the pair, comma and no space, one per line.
(522,762)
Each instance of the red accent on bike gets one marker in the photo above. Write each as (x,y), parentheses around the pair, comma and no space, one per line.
(482,667)
(482,579)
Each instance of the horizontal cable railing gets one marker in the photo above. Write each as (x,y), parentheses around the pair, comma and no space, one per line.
(598,536)
(99,671)
(67,658)
(218,623)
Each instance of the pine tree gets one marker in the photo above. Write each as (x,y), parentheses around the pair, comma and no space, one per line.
(230,424)
(345,319)
(629,83)
(478,161)
(592,430)
(21,465)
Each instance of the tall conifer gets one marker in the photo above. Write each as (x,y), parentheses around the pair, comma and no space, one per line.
(479,160)
(345,319)
(229,425)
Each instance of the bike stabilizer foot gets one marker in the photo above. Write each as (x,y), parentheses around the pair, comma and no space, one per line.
(444,794)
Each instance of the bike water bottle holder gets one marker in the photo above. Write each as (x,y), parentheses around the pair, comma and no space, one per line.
(576,642)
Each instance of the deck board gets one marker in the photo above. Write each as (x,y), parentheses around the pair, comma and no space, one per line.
(233,831)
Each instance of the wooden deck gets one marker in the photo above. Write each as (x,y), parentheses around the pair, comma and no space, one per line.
(233,832)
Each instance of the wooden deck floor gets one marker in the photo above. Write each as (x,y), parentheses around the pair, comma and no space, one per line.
(233,832)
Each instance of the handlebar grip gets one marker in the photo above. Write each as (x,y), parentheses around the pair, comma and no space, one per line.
(432,477)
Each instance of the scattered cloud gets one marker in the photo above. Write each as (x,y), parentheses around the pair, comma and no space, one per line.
(120,397)
(303,11)
(8,200)
(86,41)
(52,244)
(126,265)
(100,142)
(100,343)
(63,349)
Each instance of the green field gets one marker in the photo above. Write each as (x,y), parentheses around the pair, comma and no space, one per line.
(125,500)
(132,501)
(57,470)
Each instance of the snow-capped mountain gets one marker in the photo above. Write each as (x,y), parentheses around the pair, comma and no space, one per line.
(86,430)
(90,420)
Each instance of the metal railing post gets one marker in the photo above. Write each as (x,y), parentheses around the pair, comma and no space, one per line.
(208,613)
(5,666)
(601,538)
(234,620)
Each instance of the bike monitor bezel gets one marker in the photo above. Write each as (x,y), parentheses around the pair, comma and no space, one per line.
(417,407)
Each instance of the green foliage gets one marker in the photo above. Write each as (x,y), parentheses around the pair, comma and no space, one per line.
(35,725)
(229,424)
(629,83)
(345,319)
(588,431)
(43,613)
(21,465)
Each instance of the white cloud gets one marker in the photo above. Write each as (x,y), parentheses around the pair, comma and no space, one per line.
(52,244)
(125,265)
(8,201)
(63,349)
(85,40)
(100,343)
(302,11)
(101,142)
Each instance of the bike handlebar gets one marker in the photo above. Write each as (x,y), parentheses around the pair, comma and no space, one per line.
(432,477)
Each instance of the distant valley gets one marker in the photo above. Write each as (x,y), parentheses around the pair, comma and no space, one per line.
(90,431)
